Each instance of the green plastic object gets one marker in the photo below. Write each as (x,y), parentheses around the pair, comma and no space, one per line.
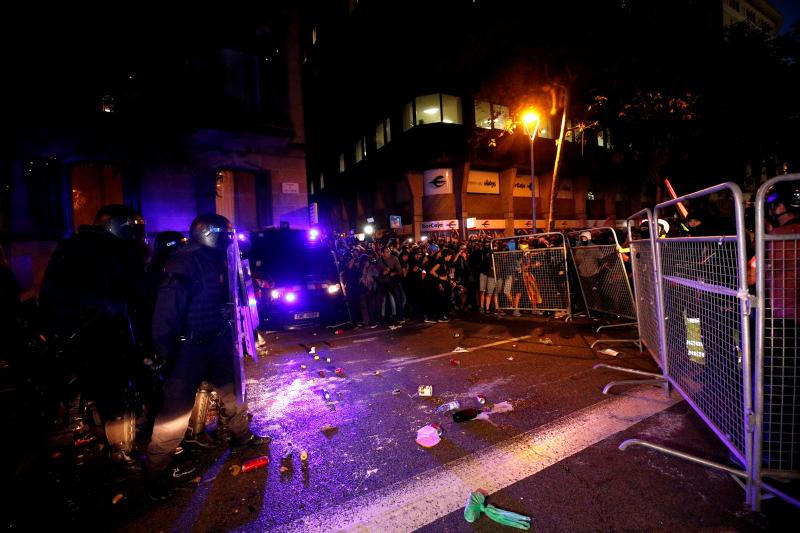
(476,504)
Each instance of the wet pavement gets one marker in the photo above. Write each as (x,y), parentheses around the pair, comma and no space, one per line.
(549,452)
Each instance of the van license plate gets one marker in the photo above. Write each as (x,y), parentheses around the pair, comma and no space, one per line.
(304,316)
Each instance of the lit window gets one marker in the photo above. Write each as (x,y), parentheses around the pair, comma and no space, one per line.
(361,149)
(107,105)
(428,110)
(311,186)
(380,137)
(451,109)
(408,116)
(341,163)
(321,181)
(387,128)
(501,116)
(483,115)
(314,35)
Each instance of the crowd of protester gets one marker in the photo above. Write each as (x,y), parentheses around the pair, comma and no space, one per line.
(391,280)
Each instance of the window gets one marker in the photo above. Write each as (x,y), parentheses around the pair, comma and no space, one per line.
(387,128)
(314,35)
(341,163)
(93,186)
(382,134)
(451,109)
(408,116)
(750,15)
(361,149)
(236,200)
(380,138)
(432,108)
(311,187)
(734,4)
(491,116)
(427,109)
(321,181)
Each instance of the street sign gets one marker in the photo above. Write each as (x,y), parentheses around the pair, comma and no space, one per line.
(440,225)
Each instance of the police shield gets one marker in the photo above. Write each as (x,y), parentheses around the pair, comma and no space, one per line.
(243,340)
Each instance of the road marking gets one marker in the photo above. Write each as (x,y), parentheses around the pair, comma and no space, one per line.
(411,504)
(450,353)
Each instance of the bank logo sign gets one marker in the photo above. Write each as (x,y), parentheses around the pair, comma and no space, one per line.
(522,186)
(440,225)
(438,181)
(481,182)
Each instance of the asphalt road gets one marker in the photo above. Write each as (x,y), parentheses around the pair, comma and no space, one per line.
(546,446)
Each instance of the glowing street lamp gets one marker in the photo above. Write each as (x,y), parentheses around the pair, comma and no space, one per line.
(368,229)
(530,119)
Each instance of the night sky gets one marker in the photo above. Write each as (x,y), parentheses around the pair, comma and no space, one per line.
(791,12)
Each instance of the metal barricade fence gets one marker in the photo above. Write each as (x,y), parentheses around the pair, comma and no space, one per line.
(601,272)
(647,299)
(777,433)
(706,344)
(534,278)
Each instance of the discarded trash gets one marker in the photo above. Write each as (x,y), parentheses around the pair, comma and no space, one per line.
(339,332)
(339,372)
(459,349)
(253,464)
(609,351)
(197,479)
(394,327)
(425,390)
(316,358)
(437,427)
(178,473)
(287,454)
(397,392)
(465,414)
(502,407)
(481,399)
(547,340)
(476,504)
(377,372)
(455,362)
(284,469)
(329,430)
(456,335)
(304,456)
(303,367)
(510,358)
(322,373)
(312,350)
(449,406)
(513,345)
(327,359)
(116,499)
(428,436)
(235,470)
(326,394)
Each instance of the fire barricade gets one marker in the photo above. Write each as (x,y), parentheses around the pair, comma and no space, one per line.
(647,291)
(777,433)
(705,305)
(601,273)
(531,273)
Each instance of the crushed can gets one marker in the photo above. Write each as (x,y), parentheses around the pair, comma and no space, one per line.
(339,372)
(425,390)
(455,362)
(481,399)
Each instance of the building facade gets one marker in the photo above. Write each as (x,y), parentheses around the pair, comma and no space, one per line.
(178,130)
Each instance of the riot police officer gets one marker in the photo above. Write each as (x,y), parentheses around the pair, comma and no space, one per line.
(86,302)
(192,332)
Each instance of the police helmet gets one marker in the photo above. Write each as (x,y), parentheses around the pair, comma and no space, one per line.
(121,221)
(166,243)
(212,231)
(786,193)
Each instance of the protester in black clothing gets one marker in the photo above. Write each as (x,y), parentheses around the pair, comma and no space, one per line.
(192,332)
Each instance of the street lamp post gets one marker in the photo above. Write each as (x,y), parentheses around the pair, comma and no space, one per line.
(531,121)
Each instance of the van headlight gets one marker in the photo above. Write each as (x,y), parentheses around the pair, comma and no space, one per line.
(333,289)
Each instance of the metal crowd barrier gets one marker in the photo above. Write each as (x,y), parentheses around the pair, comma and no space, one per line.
(777,429)
(601,274)
(534,278)
(706,344)
(647,299)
